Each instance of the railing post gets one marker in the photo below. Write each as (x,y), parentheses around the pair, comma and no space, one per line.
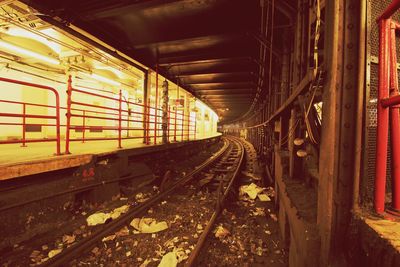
(382,117)
(176,108)
(188,127)
(120,120)
(169,122)
(23,125)
(183,124)
(68,115)
(83,126)
(395,123)
(156,108)
(148,122)
(195,126)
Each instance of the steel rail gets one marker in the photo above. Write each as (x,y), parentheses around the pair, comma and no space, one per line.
(71,252)
(200,242)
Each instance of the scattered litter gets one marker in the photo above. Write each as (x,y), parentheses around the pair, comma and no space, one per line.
(118,211)
(123,232)
(171,242)
(140,197)
(221,232)
(128,253)
(145,263)
(298,141)
(54,252)
(273,217)
(97,218)
(263,197)
(102,217)
(68,239)
(108,238)
(34,254)
(258,212)
(301,153)
(164,202)
(177,217)
(252,190)
(171,259)
(45,247)
(148,225)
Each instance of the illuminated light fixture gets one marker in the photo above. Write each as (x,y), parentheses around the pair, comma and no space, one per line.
(104,79)
(113,70)
(28,53)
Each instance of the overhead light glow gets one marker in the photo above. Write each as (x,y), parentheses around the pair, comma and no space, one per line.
(113,70)
(104,79)
(28,53)
(34,36)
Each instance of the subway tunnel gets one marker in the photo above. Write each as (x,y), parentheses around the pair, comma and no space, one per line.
(199,133)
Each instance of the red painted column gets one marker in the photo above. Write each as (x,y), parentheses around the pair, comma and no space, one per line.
(120,120)
(68,126)
(383,117)
(395,123)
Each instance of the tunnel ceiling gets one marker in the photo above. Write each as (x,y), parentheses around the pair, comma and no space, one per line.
(208,47)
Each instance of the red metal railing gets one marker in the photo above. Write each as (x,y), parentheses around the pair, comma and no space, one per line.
(181,126)
(111,113)
(388,101)
(24,115)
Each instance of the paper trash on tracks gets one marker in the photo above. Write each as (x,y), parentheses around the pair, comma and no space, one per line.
(148,225)
(252,190)
(102,217)
(221,232)
(263,197)
(54,252)
(118,211)
(169,260)
(98,218)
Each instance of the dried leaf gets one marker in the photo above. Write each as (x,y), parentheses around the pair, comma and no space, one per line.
(221,232)
(68,239)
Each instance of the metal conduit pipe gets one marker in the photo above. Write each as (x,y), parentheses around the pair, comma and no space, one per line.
(359,107)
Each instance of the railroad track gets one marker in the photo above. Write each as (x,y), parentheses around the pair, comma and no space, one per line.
(223,167)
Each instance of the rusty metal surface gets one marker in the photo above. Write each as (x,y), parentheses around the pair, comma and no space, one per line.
(202,45)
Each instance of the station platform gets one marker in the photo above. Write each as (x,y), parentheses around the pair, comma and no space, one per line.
(17,161)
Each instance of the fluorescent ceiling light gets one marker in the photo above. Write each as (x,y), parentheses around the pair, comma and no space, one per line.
(113,70)
(34,36)
(28,53)
(104,79)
